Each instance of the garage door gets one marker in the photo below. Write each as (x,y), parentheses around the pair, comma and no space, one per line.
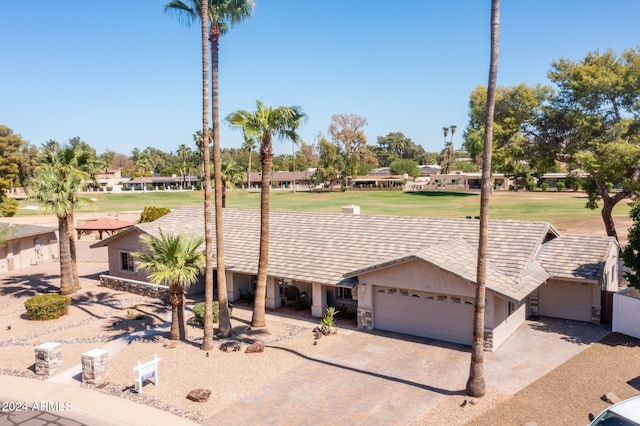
(565,300)
(436,316)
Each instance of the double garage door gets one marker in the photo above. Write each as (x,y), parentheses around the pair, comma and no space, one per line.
(565,300)
(436,316)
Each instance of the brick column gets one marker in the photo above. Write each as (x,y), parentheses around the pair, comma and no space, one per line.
(48,358)
(95,366)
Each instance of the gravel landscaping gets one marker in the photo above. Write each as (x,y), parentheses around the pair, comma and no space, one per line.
(100,315)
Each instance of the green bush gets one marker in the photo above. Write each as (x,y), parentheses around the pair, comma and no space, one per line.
(8,207)
(47,306)
(560,186)
(198,312)
(151,213)
(544,186)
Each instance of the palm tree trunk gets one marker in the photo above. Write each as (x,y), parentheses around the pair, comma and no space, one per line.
(475,384)
(66,275)
(72,251)
(207,342)
(224,322)
(259,305)
(175,297)
(249,171)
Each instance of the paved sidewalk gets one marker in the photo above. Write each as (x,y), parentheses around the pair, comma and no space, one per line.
(74,406)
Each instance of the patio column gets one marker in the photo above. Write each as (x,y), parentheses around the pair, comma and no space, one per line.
(233,294)
(273,294)
(319,300)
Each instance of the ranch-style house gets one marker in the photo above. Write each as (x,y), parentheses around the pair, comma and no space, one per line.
(413,275)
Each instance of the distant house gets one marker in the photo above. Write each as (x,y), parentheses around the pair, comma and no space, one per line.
(161,183)
(26,245)
(412,275)
(282,179)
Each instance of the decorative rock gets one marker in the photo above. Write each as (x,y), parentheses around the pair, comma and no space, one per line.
(171,344)
(255,347)
(48,358)
(611,398)
(199,395)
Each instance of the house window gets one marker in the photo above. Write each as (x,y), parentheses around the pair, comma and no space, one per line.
(511,308)
(126,262)
(344,293)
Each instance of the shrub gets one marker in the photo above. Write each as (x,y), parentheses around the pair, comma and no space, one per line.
(544,186)
(8,207)
(560,186)
(47,306)
(198,312)
(328,321)
(249,297)
(151,213)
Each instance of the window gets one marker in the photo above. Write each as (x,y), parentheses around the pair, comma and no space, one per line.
(344,293)
(511,308)
(126,262)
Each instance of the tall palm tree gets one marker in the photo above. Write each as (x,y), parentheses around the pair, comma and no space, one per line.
(63,170)
(175,261)
(219,14)
(452,129)
(267,122)
(249,145)
(445,130)
(231,175)
(475,384)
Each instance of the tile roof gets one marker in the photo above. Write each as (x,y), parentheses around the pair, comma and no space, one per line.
(576,256)
(326,248)
(15,231)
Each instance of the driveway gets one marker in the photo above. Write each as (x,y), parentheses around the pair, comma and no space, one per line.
(388,378)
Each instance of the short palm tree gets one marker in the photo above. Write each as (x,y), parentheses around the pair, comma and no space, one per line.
(231,175)
(266,123)
(175,261)
(249,145)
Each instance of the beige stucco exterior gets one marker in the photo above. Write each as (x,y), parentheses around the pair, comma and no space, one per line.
(30,250)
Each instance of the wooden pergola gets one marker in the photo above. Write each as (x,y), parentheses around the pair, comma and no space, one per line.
(103,225)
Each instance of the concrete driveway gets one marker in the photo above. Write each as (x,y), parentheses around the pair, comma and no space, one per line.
(388,378)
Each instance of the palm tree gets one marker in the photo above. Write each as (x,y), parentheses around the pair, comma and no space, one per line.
(249,145)
(231,175)
(475,384)
(445,130)
(219,14)
(266,122)
(183,150)
(175,261)
(64,170)
(452,129)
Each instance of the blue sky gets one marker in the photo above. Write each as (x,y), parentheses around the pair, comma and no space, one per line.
(122,74)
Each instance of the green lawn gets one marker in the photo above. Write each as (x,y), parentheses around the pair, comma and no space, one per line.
(557,208)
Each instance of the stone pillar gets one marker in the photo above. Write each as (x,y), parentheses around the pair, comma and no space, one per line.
(365,319)
(48,358)
(95,366)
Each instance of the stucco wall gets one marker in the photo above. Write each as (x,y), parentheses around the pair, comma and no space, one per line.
(412,276)
(610,271)
(506,324)
(21,252)
(130,242)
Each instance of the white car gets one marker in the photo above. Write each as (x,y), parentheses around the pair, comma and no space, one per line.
(625,413)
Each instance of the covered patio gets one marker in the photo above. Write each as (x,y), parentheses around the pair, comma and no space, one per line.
(103,225)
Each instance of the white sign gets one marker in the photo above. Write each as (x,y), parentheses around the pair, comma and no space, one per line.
(147,371)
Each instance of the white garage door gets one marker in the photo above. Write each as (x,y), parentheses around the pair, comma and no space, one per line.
(436,316)
(565,300)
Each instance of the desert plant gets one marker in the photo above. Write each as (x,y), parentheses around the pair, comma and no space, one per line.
(47,306)
(328,322)
(198,312)
(151,213)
